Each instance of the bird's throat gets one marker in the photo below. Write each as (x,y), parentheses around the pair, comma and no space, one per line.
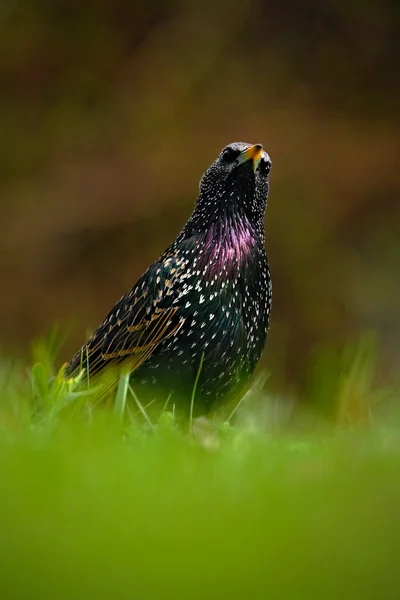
(228,246)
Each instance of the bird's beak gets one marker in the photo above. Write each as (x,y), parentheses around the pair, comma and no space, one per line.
(253,153)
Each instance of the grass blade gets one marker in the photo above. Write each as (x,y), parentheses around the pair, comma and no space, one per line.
(194,394)
(122,391)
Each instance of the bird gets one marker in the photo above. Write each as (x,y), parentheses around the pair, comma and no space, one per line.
(199,315)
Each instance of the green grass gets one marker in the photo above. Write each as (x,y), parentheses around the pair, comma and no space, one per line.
(98,503)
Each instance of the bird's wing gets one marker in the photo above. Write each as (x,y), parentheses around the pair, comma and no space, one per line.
(141,320)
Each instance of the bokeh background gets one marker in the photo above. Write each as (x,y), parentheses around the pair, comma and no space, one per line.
(110,111)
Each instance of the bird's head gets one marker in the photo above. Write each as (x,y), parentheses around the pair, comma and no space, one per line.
(236,183)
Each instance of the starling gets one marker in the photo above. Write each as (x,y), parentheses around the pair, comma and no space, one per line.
(200,312)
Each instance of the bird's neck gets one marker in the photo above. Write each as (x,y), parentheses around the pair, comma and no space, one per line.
(229,245)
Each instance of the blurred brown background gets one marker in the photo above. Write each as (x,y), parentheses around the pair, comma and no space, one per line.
(110,111)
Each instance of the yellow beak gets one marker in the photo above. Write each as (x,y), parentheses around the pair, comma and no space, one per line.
(253,153)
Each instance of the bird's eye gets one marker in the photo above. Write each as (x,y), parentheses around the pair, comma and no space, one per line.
(229,154)
(264,166)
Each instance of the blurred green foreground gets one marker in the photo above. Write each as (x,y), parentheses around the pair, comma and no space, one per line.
(91,507)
